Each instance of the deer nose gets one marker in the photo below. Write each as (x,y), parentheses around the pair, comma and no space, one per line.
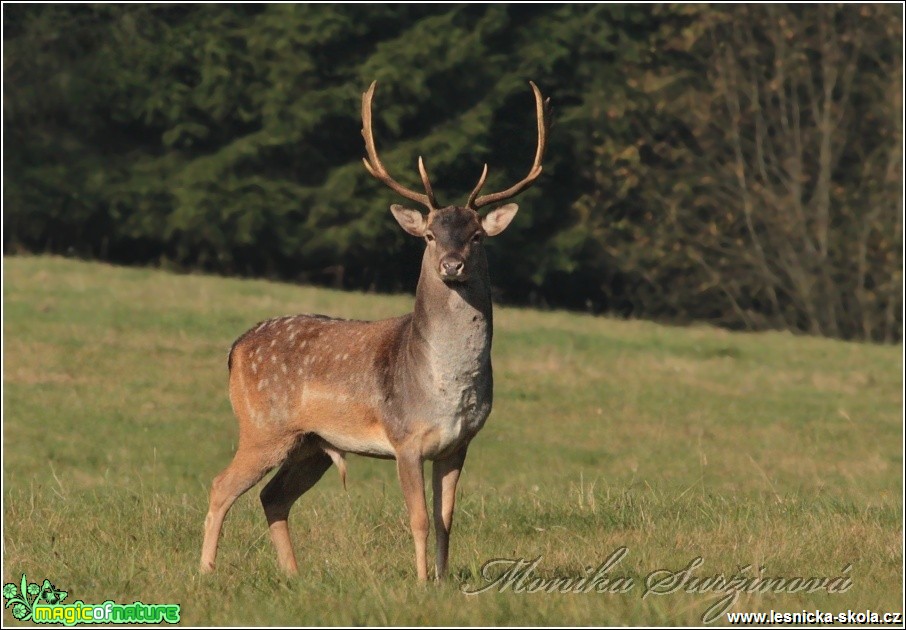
(452,266)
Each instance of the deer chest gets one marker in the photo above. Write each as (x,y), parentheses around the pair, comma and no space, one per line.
(461,406)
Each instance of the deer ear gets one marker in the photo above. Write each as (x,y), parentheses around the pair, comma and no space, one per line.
(412,221)
(498,220)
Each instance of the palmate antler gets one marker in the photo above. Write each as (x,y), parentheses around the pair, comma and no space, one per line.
(374,165)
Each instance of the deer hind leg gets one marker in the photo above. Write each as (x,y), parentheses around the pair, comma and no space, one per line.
(296,476)
(249,465)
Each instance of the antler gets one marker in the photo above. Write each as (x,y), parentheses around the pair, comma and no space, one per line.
(542,110)
(374,165)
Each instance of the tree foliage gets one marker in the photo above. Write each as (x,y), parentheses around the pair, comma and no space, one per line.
(735,164)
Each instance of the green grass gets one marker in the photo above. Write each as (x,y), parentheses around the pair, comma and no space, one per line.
(764,449)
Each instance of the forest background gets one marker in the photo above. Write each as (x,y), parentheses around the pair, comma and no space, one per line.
(735,164)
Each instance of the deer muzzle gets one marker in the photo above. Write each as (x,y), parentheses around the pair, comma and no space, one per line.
(452,267)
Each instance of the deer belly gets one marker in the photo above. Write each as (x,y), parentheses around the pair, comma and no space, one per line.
(340,419)
(373,443)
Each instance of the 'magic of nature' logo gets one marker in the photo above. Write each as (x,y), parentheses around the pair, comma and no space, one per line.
(44,604)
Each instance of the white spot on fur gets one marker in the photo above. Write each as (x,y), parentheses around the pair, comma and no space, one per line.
(283,367)
(262,384)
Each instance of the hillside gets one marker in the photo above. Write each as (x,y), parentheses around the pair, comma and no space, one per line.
(745,449)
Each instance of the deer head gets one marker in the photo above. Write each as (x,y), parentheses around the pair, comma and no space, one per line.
(453,234)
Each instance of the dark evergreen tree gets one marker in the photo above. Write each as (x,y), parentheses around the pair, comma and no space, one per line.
(226,138)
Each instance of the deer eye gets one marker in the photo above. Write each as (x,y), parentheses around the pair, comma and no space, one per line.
(429,237)
(476,238)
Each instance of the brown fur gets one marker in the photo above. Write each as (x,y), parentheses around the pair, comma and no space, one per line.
(307,389)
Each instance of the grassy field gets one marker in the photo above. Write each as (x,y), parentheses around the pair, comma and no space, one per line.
(768,450)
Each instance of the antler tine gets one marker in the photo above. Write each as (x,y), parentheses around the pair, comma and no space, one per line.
(427,182)
(542,113)
(376,168)
(477,189)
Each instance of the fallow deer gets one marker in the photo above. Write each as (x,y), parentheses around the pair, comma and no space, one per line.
(307,389)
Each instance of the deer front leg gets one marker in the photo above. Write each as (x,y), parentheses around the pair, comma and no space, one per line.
(409,466)
(446,475)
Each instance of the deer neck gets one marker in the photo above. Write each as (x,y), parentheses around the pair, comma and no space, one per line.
(452,324)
